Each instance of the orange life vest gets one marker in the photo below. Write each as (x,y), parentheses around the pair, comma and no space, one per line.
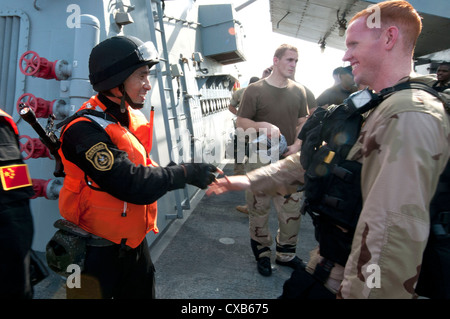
(98,212)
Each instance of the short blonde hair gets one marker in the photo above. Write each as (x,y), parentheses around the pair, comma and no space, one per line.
(401,14)
(279,52)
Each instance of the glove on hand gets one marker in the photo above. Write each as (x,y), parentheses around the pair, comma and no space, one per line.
(199,174)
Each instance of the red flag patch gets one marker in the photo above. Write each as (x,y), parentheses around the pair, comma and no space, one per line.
(15,176)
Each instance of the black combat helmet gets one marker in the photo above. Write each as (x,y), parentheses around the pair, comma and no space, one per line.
(113,60)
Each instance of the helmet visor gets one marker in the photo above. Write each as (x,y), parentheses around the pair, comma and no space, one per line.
(147,52)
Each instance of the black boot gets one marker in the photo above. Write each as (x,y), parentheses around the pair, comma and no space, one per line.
(264,266)
(294,263)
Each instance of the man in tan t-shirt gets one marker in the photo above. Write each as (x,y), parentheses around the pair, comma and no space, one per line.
(274,106)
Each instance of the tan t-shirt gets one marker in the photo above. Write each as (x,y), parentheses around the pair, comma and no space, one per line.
(262,102)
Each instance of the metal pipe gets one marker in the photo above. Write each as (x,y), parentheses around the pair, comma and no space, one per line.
(86,37)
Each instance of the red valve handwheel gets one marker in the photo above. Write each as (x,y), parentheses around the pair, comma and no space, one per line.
(29,65)
(29,100)
(27,147)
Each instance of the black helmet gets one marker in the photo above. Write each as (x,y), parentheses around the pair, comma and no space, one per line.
(113,60)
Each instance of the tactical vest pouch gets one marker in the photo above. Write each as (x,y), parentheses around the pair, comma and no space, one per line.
(343,201)
(314,175)
(334,190)
(335,203)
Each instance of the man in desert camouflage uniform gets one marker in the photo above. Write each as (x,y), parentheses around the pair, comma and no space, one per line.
(401,167)
(403,147)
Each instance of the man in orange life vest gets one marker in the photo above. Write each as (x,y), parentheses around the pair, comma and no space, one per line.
(16,222)
(111,184)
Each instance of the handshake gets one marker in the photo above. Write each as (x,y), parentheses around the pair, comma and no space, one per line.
(197,174)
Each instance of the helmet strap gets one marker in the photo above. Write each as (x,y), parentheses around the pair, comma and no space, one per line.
(136,106)
(123,98)
(123,107)
(126,97)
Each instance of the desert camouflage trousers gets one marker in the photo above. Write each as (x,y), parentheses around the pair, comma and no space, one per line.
(289,218)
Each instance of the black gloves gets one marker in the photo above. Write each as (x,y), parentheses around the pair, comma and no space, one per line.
(199,174)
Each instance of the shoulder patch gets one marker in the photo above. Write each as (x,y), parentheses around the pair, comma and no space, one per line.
(100,156)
